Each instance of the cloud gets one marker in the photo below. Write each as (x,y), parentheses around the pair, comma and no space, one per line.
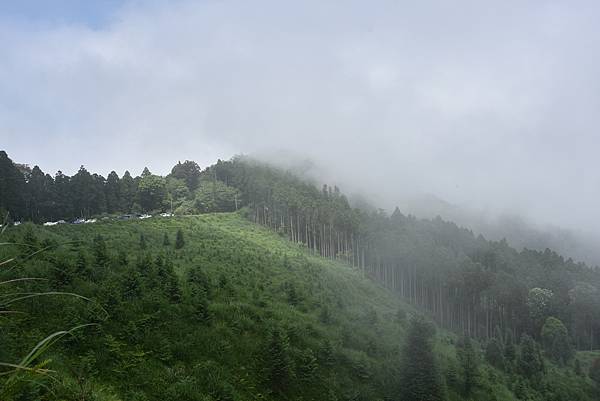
(491,106)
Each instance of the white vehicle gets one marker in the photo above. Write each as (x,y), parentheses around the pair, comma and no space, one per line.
(50,223)
(166,214)
(90,221)
(17,223)
(145,216)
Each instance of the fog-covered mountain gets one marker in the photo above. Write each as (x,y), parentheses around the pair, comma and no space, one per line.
(518,231)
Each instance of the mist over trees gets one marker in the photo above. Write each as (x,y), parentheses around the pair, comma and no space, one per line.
(517,311)
(519,231)
(420,378)
(469,285)
(30,194)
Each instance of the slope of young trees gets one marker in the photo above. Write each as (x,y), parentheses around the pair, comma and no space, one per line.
(470,285)
(216,308)
(521,314)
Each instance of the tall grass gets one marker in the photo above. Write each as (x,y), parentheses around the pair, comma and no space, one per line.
(30,367)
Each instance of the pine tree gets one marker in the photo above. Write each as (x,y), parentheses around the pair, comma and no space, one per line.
(131,285)
(555,339)
(401,316)
(577,368)
(199,282)
(170,283)
(112,193)
(371,316)
(199,286)
(83,192)
(144,265)
(278,362)
(199,302)
(100,251)
(166,241)
(498,336)
(127,191)
(81,265)
(122,258)
(420,380)
(308,366)
(529,362)
(179,241)
(12,188)
(327,354)
(510,352)
(62,273)
(189,171)
(30,240)
(451,373)
(469,364)
(223,281)
(325,315)
(494,353)
(292,295)
(595,372)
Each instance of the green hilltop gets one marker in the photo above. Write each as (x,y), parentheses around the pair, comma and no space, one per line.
(208,339)
(265,286)
(198,323)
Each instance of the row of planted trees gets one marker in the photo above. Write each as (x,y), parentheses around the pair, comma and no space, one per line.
(468,284)
(30,194)
(322,220)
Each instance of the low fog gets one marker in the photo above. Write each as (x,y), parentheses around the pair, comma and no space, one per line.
(480,112)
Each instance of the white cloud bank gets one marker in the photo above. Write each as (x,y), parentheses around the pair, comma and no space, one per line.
(493,106)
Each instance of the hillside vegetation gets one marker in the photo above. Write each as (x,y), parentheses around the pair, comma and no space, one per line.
(237,313)
(297,295)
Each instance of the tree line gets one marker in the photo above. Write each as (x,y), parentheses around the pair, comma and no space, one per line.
(468,284)
(30,194)
(523,307)
(191,317)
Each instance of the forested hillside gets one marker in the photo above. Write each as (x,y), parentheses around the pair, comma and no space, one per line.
(201,313)
(216,308)
(470,285)
(518,230)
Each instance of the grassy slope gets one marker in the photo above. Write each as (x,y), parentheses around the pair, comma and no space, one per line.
(258,265)
(251,270)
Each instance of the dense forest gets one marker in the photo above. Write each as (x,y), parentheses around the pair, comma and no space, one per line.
(32,195)
(521,320)
(470,285)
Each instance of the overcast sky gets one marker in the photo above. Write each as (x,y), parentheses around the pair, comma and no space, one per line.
(491,105)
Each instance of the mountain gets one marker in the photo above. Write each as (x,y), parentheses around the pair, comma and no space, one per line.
(204,322)
(265,286)
(518,231)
